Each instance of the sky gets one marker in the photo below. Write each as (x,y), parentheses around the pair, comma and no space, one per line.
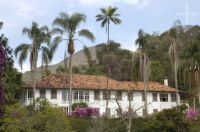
(150,15)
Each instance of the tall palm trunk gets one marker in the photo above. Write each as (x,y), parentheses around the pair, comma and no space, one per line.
(130,112)
(70,82)
(176,82)
(33,67)
(145,100)
(108,70)
(144,69)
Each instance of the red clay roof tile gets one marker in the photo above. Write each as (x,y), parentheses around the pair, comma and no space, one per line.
(96,82)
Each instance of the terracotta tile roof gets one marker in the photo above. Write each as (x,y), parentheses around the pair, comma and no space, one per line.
(96,82)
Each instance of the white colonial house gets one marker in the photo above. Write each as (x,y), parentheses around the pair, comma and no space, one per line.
(92,89)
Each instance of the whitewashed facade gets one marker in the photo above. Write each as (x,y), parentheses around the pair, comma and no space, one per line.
(157,100)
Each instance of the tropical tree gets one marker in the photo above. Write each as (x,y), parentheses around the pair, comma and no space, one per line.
(141,40)
(39,36)
(66,27)
(144,64)
(107,16)
(144,71)
(174,57)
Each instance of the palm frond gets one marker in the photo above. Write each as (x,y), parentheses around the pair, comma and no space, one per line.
(115,20)
(87,34)
(62,23)
(22,50)
(46,56)
(75,20)
(57,31)
(108,14)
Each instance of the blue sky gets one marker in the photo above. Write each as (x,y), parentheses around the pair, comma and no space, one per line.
(150,15)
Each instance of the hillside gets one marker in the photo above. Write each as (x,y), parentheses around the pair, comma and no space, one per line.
(79,58)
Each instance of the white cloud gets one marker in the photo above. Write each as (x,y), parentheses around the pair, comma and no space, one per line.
(98,3)
(25,67)
(25,10)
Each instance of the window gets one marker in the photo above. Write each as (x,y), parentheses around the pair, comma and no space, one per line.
(130,96)
(106,95)
(97,95)
(42,93)
(86,96)
(163,97)
(155,97)
(119,95)
(81,95)
(30,93)
(173,97)
(53,94)
(64,95)
(143,97)
(75,95)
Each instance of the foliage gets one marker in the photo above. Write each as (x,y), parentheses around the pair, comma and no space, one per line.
(79,105)
(2,65)
(60,69)
(80,124)
(45,73)
(117,59)
(168,120)
(45,119)
(157,72)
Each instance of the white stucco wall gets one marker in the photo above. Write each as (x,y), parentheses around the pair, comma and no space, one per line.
(137,103)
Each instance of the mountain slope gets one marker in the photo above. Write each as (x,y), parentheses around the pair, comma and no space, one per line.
(79,58)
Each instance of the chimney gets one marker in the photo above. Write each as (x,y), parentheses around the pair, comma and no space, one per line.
(165,81)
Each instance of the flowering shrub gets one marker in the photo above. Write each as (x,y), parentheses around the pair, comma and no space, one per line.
(191,113)
(87,111)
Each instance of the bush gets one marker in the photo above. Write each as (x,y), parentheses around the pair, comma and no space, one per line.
(80,124)
(168,120)
(79,105)
(18,118)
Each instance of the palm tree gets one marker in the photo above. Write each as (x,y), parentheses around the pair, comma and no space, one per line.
(141,40)
(66,28)
(108,15)
(38,35)
(144,65)
(144,71)
(174,57)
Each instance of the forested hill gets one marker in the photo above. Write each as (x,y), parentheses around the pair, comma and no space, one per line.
(188,43)
(123,64)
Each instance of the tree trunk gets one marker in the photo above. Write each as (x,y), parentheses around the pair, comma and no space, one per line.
(108,41)
(176,82)
(33,70)
(107,91)
(145,101)
(70,82)
(130,112)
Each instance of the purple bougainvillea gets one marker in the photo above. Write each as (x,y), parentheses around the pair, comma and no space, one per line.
(191,113)
(87,111)
(2,62)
